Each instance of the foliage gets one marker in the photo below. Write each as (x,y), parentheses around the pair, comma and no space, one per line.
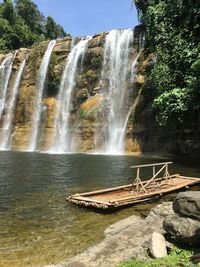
(53,30)
(22,25)
(172,33)
(177,257)
(53,77)
(88,115)
(172,103)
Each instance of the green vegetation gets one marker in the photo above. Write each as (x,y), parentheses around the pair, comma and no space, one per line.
(53,77)
(172,33)
(88,115)
(176,258)
(22,25)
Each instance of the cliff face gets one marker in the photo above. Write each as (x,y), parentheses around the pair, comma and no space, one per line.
(144,129)
(88,107)
(174,79)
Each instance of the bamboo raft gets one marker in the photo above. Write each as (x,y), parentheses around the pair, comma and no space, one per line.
(137,192)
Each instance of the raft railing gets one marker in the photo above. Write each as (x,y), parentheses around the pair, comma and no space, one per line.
(140,186)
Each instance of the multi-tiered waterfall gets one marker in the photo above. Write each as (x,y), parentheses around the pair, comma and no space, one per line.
(75,95)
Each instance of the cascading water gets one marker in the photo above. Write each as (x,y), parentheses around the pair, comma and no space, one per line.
(40,84)
(114,78)
(62,130)
(5,71)
(8,119)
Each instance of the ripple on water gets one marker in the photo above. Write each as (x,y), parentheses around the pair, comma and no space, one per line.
(37,225)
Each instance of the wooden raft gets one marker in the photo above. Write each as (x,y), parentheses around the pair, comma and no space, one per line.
(137,192)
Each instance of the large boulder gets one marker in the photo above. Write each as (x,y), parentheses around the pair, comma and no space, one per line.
(188,204)
(182,229)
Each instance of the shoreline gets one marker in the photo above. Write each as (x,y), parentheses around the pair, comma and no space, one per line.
(166,225)
(122,241)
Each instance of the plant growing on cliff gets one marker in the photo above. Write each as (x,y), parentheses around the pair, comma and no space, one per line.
(172,33)
(53,77)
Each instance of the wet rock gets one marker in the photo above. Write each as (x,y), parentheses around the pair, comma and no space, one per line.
(188,204)
(158,248)
(182,229)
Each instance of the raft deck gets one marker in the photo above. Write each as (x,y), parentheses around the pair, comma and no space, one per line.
(137,192)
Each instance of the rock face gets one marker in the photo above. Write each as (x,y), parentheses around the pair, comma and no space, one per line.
(87,102)
(184,226)
(188,204)
(142,132)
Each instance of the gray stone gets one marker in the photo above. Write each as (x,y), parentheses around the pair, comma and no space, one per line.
(183,229)
(117,227)
(188,204)
(158,248)
(161,210)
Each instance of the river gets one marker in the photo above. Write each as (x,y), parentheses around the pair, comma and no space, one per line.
(37,225)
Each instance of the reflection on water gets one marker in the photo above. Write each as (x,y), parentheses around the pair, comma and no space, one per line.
(37,225)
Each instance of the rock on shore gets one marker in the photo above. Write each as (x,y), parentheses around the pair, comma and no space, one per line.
(184,226)
(123,240)
(135,237)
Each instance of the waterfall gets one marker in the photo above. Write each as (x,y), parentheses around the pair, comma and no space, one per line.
(114,79)
(8,119)
(5,71)
(62,128)
(40,84)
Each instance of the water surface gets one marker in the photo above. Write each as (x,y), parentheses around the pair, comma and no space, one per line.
(37,225)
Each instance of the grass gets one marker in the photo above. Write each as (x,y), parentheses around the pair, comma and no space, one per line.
(176,258)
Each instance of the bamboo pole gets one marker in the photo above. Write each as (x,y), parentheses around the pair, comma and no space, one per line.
(151,165)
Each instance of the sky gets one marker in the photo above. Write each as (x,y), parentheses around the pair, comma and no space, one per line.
(87,17)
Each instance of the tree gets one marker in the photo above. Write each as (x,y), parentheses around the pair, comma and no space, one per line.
(8,12)
(31,15)
(53,30)
(22,25)
(172,33)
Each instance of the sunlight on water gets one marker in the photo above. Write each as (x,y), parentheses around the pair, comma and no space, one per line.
(37,225)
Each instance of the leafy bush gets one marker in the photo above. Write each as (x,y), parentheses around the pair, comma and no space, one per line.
(172,33)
